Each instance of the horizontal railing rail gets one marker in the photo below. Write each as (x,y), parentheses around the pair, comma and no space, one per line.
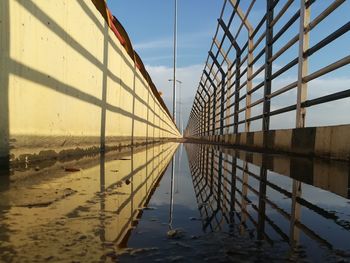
(249,54)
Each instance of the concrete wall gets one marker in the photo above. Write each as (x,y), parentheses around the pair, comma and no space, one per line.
(328,142)
(67,83)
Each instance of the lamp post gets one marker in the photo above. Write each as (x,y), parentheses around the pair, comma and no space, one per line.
(174,62)
(179,112)
(171,210)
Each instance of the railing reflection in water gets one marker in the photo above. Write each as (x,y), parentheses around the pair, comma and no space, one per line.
(272,197)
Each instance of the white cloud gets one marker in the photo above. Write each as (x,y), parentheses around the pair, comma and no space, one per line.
(152,59)
(189,76)
(184,41)
(155,44)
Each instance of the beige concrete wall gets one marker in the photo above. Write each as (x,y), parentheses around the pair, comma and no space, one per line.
(65,77)
(333,141)
(328,142)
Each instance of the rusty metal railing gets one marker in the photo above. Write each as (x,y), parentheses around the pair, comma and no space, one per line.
(252,50)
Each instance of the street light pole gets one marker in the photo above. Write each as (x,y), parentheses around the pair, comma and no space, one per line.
(174,118)
(174,65)
(179,112)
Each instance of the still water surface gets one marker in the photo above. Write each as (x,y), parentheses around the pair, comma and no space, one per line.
(214,204)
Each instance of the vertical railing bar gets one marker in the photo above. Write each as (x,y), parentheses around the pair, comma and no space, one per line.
(268,70)
(303,65)
(236,105)
(249,81)
(300,110)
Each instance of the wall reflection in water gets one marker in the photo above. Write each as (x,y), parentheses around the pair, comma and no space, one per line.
(132,193)
(272,197)
(83,214)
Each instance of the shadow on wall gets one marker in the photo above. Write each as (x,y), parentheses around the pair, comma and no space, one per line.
(58,86)
(4,103)
(17,68)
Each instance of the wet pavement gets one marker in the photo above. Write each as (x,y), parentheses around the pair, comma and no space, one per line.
(213,204)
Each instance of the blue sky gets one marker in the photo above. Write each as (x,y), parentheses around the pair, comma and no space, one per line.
(150,27)
(149,24)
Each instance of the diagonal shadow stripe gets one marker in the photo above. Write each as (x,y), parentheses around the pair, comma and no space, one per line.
(69,40)
(58,86)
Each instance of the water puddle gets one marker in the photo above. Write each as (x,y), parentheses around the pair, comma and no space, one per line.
(208,203)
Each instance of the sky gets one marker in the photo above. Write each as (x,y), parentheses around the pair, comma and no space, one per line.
(150,28)
(149,24)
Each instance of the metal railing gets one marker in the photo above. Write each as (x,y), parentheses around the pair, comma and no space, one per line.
(250,51)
